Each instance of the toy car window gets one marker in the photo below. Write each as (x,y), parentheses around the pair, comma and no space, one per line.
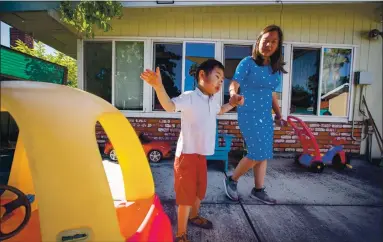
(9,133)
(144,139)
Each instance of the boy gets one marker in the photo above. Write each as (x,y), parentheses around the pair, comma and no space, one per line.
(197,138)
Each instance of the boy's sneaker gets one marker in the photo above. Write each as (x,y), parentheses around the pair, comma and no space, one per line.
(182,238)
(231,188)
(201,222)
(262,196)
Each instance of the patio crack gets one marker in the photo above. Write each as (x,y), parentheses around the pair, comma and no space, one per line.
(249,220)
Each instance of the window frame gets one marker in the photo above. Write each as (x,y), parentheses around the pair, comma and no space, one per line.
(148,111)
(242,43)
(114,71)
(164,41)
(350,100)
(81,68)
(147,44)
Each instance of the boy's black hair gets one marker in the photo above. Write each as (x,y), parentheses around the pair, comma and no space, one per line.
(208,66)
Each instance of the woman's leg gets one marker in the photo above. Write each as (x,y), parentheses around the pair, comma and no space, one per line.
(245,164)
(258,191)
(230,183)
(259,174)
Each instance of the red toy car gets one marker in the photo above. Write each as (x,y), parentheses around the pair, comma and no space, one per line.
(311,157)
(154,150)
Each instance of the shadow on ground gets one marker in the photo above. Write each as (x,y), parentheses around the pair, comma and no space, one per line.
(332,206)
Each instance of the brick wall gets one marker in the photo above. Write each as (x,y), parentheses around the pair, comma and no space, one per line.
(284,138)
(16,34)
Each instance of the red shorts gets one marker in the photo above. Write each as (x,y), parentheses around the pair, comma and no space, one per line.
(190,178)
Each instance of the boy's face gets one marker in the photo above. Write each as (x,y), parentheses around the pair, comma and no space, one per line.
(212,83)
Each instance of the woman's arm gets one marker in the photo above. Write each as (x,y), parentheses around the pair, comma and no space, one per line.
(233,87)
(276,109)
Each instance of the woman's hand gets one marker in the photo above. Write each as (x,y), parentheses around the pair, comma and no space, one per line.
(152,78)
(279,121)
(236,100)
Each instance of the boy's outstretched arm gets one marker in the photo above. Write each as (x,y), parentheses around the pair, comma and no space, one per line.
(154,79)
(225,108)
(164,99)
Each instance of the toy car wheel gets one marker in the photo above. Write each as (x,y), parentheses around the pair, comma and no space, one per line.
(337,162)
(348,158)
(155,156)
(296,158)
(112,155)
(316,167)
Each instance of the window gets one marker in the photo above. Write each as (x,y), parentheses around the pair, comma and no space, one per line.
(168,56)
(321,81)
(98,69)
(196,53)
(9,133)
(233,54)
(318,82)
(128,86)
(304,82)
(126,93)
(279,88)
(335,86)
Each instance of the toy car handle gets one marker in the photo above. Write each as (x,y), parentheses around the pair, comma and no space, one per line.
(295,127)
(306,131)
(20,201)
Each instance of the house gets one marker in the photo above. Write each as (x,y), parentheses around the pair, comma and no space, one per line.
(325,46)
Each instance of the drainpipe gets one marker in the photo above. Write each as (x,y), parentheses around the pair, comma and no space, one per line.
(353,116)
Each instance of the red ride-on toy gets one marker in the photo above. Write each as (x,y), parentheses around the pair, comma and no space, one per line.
(311,156)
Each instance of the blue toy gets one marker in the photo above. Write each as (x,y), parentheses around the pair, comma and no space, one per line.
(222,152)
(311,156)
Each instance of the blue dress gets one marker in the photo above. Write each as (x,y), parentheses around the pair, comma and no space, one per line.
(257,84)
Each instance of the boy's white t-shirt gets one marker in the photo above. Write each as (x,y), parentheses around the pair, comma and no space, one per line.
(198,122)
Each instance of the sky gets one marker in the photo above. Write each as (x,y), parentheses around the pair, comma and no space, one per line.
(5,38)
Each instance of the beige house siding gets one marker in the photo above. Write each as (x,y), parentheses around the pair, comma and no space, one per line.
(325,24)
(338,103)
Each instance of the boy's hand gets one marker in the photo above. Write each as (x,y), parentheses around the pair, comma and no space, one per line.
(236,100)
(152,78)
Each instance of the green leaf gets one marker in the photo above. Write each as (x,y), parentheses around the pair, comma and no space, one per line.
(86,14)
(59,58)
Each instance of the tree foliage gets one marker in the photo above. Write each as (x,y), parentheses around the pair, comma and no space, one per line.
(59,58)
(84,15)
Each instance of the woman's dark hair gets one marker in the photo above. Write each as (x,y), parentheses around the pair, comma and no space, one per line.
(276,59)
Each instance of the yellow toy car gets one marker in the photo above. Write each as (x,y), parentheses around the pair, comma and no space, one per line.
(57,188)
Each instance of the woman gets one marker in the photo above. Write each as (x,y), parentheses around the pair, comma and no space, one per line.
(258,76)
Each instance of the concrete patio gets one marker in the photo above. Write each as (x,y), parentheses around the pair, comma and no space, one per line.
(332,206)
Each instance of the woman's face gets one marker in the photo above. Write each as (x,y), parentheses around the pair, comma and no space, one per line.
(269,43)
